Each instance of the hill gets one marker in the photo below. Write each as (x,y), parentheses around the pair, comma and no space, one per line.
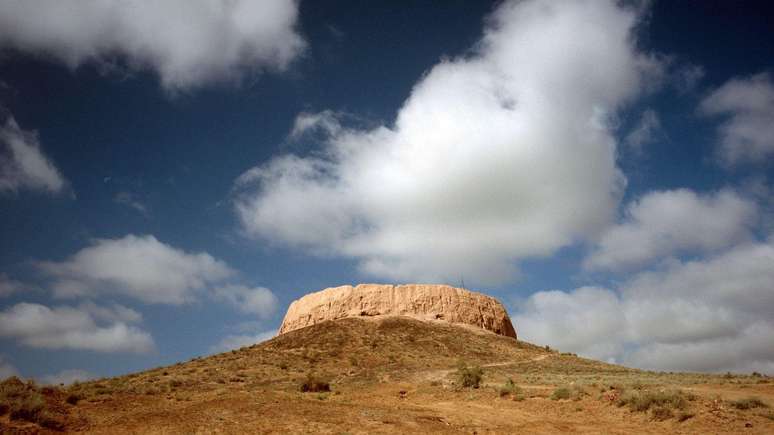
(398,375)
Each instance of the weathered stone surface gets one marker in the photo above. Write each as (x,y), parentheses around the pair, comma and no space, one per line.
(423,301)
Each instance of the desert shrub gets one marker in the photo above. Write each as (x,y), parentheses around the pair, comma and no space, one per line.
(73,398)
(642,401)
(313,384)
(469,377)
(568,392)
(23,401)
(27,407)
(749,403)
(507,388)
(685,415)
(561,393)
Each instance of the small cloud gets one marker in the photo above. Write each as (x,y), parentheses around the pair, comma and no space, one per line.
(137,266)
(647,130)
(326,121)
(664,223)
(22,163)
(7,369)
(257,300)
(747,135)
(230,342)
(218,41)
(67,377)
(9,286)
(687,77)
(130,200)
(77,328)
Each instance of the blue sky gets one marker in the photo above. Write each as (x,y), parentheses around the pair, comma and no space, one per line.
(170,181)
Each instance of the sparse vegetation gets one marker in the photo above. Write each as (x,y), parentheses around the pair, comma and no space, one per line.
(469,376)
(512,390)
(749,403)
(567,392)
(561,393)
(25,402)
(662,404)
(314,384)
(73,398)
(272,374)
(662,413)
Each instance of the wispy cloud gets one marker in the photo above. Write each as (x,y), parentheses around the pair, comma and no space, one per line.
(22,163)
(748,133)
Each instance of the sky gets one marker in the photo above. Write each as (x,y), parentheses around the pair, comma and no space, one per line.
(173,174)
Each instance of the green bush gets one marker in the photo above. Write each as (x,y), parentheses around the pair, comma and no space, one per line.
(561,393)
(507,388)
(469,377)
(511,389)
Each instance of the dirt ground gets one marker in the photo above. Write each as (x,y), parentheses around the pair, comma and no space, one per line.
(399,375)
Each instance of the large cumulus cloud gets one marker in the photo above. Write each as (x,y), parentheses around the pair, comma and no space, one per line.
(500,155)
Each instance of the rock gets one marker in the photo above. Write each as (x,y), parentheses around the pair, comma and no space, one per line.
(426,302)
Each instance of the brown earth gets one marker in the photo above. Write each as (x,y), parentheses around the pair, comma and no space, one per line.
(399,375)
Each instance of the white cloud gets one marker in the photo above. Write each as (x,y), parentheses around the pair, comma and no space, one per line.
(230,342)
(7,369)
(9,286)
(258,300)
(647,130)
(706,315)
(131,201)
(564,321)
(67,377)
(137,266)
(665,223)
(687,77)
(748,134)
(497,156)
(66,327)
(326,121)
(22,163)
(186,42)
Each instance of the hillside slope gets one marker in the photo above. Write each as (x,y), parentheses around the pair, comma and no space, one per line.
(395,374)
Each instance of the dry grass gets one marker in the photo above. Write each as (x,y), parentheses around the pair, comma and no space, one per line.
(26,402)
(749,403)
(369,362)
(663,404)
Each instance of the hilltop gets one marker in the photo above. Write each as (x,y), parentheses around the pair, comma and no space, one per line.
(399,374)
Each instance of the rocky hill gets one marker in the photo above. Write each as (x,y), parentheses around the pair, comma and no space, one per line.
(420,301)
(394,374)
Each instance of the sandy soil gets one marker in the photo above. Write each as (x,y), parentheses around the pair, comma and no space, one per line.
(399,375)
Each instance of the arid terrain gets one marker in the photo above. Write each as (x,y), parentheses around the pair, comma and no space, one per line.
(394,375)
